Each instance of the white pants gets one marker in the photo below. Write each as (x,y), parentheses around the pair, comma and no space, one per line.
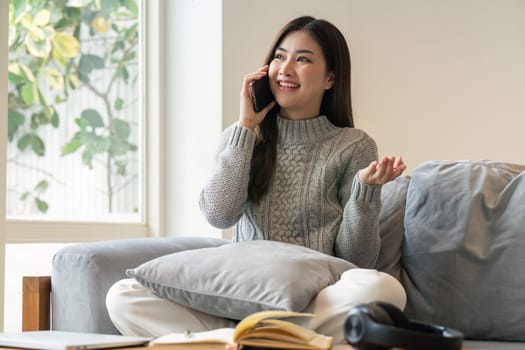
(134,310)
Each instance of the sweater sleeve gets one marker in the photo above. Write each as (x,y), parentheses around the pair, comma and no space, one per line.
(358,238)
(223,198)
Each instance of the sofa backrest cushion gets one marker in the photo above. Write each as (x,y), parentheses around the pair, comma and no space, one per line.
(391,216)
(464,248)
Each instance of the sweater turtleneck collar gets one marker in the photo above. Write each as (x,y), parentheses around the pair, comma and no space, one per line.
(305,131)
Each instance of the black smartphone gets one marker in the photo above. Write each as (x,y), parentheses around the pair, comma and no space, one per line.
(261,93)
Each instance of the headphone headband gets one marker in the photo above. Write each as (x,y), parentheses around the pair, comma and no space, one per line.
(380,324)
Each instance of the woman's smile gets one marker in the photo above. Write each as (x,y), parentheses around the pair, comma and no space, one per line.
(287,85)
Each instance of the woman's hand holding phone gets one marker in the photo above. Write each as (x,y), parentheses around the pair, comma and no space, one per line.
(249,118)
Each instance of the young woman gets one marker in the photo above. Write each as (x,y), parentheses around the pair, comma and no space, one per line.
(296,172)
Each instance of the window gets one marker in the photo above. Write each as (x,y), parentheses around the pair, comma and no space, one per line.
(55,219)
(74,119)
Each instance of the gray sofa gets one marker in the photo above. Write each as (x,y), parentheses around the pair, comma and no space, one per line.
(453,233)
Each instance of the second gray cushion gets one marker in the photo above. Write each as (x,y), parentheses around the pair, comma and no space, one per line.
(464,265)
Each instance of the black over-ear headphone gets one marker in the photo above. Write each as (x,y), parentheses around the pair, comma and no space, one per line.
(378,326)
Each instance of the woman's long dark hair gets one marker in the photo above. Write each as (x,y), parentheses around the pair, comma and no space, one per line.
(336,104)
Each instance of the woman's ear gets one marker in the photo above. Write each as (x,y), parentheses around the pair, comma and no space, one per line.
(330,81)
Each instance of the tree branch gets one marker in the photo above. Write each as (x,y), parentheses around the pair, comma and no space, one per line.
(36,169)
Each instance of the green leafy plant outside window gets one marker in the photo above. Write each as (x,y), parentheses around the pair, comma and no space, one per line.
(56,49)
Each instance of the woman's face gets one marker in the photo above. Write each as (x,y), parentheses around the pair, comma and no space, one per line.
(298,76)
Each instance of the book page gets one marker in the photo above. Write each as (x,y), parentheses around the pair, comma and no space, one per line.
(251,321)
(270,333)
(272,344)
(302,333)
(277,337)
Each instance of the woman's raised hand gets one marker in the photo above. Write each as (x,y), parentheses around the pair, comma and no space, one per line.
(248,117)
(383,171)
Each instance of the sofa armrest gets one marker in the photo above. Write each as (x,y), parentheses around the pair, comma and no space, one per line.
(36,300)
(83,273)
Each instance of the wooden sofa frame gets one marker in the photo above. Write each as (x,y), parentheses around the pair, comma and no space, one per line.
(36,303)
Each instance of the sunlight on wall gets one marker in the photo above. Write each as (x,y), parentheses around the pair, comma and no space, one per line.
(23,260)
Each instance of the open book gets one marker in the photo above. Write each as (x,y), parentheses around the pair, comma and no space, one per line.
(265,329)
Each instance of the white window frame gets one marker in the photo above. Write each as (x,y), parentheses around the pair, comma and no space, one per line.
(4,27)
(152,202)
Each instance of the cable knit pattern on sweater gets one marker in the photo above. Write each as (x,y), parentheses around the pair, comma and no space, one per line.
(315,198)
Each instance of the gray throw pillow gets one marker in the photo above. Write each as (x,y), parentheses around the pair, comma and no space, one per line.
(238,279)
(463,254)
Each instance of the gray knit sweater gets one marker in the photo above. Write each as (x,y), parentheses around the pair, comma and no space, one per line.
(315,198)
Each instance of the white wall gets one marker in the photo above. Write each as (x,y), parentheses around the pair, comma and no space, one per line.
(432,79)
(193,108)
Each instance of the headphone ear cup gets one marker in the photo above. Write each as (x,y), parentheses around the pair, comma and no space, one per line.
(356,324)
(379,314)
(381,326)
(396,315)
